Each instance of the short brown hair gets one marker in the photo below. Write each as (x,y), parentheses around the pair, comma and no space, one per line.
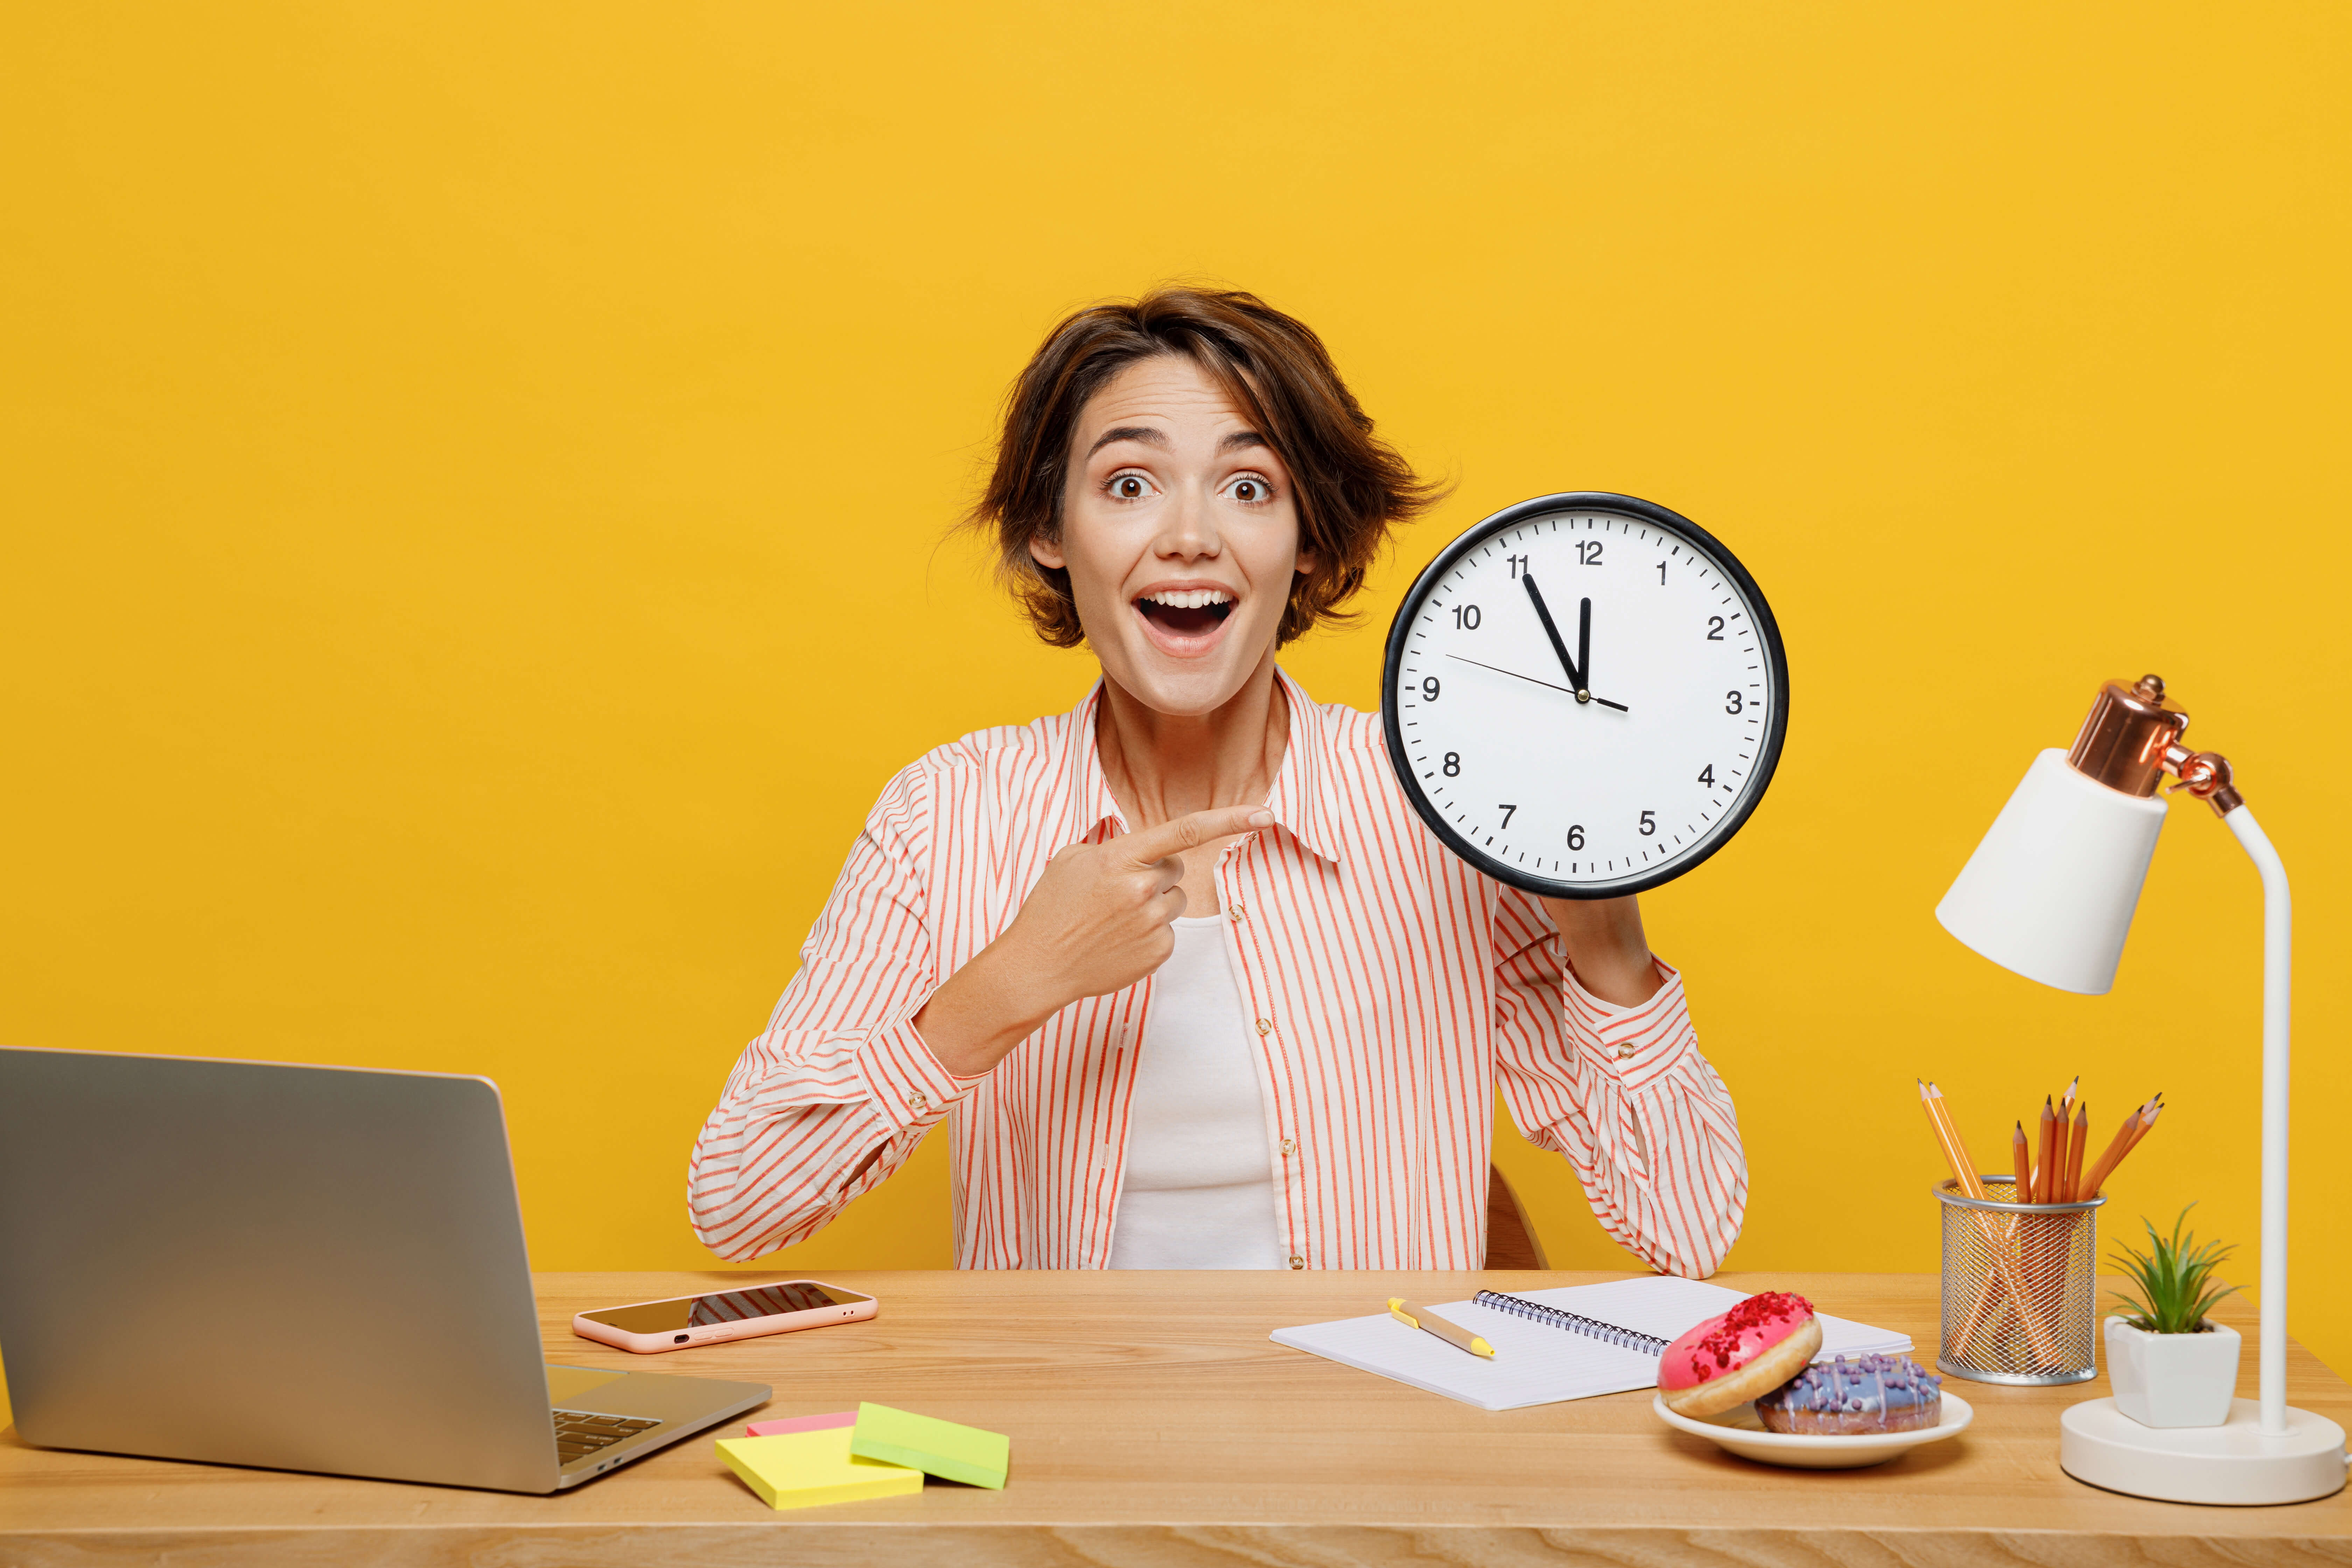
(1350,487)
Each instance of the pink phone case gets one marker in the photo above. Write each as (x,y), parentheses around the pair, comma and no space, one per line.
(734,1329)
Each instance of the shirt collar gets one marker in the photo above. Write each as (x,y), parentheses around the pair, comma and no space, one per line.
(1298,801)
(1301,801)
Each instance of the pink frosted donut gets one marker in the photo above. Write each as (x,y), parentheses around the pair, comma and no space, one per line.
(1753,1349)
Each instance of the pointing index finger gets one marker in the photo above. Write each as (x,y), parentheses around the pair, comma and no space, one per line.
(1153,845)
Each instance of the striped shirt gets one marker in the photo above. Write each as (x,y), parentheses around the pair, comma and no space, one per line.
(1391,987)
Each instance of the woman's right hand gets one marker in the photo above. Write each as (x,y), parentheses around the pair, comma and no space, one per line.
(1096,921)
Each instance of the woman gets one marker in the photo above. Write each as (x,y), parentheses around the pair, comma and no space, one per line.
(1191,984)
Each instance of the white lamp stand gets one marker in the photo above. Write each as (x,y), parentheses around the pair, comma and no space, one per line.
(2050,894)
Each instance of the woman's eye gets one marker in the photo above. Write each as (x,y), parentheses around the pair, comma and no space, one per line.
(1250,489)
(1130,487)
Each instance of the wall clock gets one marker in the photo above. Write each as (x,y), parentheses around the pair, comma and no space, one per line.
(1585,695)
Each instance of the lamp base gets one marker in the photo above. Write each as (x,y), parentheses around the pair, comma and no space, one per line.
(2231,1463)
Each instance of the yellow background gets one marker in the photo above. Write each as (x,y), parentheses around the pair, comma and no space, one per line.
(477,484)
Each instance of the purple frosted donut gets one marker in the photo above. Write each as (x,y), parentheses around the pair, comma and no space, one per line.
(1842,1398)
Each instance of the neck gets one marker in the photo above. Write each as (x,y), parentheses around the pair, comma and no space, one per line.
(1160,767)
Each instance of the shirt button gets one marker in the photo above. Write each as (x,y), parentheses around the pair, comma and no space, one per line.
(1297,1262)
(1289,1147)
(1624,1051)
(1238,911)
(920,1101)
(1265,1026)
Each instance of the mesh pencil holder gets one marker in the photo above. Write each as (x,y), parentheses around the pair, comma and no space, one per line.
(2021,1286)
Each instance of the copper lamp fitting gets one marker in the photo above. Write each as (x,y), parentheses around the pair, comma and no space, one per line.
(2131,740)
(2206,776)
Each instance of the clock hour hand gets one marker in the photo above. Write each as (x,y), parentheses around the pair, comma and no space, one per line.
(1575,676)
(1547,685)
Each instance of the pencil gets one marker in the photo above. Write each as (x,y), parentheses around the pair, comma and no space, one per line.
(2045,1173)
(1955,1149)
(2125,1135)
(2006,1273)
(1943,1137)
(2146,1124)
(2065,1153)
(2020,1162)
(2071,1188)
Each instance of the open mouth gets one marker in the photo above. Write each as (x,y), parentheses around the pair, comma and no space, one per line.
(1186,611)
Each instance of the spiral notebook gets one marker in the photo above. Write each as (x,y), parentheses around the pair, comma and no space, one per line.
(1569,1344)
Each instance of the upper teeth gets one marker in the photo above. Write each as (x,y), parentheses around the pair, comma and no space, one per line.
(1190,598)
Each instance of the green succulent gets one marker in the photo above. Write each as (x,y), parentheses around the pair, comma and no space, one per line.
(2174,1279)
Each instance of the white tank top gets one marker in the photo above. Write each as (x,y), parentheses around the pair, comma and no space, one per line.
(1198,1191)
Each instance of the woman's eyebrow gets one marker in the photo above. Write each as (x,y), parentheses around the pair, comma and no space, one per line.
(1149,435)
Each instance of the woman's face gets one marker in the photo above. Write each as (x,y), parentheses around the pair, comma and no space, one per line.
(1180,535)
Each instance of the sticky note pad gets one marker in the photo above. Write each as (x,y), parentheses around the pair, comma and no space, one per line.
(936,1448)
(804,1470)
(777,1429)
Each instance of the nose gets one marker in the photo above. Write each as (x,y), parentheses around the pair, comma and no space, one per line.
(1188,530)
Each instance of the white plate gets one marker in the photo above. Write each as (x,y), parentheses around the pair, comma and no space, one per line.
(1739,1430)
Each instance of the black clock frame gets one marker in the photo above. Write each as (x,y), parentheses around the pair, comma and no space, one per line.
(1767,756)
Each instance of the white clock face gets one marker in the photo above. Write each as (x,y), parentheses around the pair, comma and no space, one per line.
(1614,749)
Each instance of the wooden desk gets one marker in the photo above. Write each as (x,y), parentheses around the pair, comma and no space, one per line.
(1153,1424)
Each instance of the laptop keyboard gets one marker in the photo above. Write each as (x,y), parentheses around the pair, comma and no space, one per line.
(583,1432)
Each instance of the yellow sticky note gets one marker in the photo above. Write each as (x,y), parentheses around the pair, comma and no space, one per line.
(954,1453)
(804,1470)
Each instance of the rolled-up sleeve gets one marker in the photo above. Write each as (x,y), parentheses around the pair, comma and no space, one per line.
(1624,1094)
(839,1088)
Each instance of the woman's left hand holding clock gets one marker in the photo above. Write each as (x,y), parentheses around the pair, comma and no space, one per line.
(1606,947)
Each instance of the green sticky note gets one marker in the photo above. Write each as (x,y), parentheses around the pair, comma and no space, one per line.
(802,1470)
(936,1448)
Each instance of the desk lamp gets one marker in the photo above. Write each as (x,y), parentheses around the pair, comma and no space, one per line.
(2050,894)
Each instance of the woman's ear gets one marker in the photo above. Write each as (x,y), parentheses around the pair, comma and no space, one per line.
(1048,553)
(1307,560)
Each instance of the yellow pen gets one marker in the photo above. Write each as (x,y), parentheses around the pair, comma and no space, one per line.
(1453,1334)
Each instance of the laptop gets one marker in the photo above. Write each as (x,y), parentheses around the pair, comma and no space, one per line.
(295,1267)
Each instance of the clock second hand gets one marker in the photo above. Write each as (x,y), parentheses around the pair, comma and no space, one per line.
(1547,685)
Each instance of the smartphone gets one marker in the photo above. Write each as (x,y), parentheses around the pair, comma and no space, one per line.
(779,1307)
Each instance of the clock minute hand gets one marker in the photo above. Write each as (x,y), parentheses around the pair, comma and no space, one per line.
(1584,654)
(1575,676)
(1584,639)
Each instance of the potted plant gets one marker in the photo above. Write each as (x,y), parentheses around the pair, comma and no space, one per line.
(2172,1367)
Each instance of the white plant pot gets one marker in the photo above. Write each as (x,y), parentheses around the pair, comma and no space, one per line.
(2173,1380)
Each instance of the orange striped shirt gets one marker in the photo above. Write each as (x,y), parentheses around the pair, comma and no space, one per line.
(1392,984)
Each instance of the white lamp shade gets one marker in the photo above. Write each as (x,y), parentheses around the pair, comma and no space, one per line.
(2051,891)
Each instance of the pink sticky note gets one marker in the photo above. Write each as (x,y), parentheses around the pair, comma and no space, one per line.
(800,1424)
